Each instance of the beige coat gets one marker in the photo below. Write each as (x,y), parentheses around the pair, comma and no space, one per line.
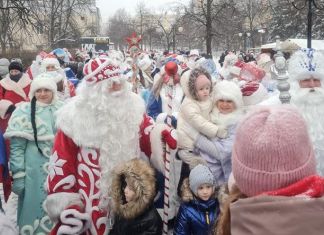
(194,114)
(268,215)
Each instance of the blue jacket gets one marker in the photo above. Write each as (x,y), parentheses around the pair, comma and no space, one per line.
(154,106)
(196,217)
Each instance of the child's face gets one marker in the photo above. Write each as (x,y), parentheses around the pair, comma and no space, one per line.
(205,191)
(203,91)
(225,106)
(129,194)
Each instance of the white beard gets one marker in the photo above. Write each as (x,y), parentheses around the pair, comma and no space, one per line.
(106,121)
(311,106)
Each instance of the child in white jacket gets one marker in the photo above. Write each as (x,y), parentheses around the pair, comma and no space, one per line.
(195,114)
(226,112)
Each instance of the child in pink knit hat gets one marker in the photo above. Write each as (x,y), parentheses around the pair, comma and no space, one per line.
(276,188)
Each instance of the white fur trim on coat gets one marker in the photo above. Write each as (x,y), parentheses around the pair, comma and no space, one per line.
(73,222)
(55,203)
(157,146)
(17,87)
(6,226)
(4,105)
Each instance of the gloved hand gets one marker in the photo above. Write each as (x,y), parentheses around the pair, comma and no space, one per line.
(10,109)
(72,221)
(169,137)
(18,185)
(222,132)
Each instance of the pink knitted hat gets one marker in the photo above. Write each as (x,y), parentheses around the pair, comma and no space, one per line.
(201,80)
(272,150)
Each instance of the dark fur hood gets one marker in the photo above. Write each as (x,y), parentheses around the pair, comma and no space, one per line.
(140,175)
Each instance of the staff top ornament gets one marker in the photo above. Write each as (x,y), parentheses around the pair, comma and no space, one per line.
(133,43)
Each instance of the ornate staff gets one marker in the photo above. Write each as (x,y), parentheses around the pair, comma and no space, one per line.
(281,74)
(133,48)
(171,69)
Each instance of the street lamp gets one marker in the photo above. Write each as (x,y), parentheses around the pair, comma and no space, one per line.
(246,37)
(175,30)
(309,16)
(261,31)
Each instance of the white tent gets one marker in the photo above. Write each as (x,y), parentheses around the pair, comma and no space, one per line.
(293,44)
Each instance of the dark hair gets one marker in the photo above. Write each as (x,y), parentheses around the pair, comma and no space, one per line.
(33,122)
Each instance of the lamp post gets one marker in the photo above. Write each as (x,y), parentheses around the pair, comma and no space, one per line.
(175,33)
(309,4)
(261,31)
(246,39)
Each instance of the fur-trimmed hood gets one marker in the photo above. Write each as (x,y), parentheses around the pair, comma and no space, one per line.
(141,177)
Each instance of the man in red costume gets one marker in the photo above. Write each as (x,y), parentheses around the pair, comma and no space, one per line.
(103,125)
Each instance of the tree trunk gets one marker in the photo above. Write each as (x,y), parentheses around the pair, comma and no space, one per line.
(209,28)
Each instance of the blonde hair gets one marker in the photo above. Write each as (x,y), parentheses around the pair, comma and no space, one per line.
(223,224)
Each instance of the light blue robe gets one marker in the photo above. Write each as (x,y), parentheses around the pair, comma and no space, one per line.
(27,162)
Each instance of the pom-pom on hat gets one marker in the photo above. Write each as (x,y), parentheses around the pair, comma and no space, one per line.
(43,80)
(200,175)
(253,93)
(306,63)
(99,69)
(228,90)
(271,150)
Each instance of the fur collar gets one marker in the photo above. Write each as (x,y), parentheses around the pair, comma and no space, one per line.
(140,175)
(17,87)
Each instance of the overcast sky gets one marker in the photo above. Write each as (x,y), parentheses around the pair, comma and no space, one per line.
(108,7)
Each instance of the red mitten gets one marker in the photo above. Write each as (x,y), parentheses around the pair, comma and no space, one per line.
(169,137)
(72,221)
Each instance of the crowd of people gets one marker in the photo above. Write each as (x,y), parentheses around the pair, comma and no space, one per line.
(161,143)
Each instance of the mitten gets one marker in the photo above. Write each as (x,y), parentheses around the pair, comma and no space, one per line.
(168,136)
(222,132)
(18,185)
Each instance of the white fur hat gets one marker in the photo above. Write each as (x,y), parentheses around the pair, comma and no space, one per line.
(42,81)
(194,52)
(50,60)
(4,64)
(228,90)
(306,63)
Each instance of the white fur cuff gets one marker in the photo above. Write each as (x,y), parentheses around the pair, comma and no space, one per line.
(4,105)
(57,202)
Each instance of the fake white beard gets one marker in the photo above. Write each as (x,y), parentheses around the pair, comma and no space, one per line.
(311,106)
(117,123)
